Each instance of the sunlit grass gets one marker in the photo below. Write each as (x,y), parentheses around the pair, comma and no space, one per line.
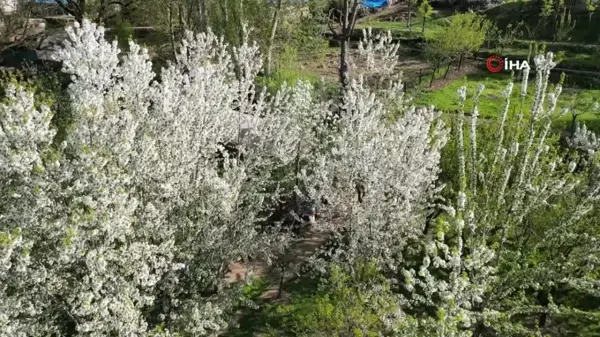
(432,26)
(491,102)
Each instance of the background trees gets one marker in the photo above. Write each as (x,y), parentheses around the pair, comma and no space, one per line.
(465,36)
(425,11)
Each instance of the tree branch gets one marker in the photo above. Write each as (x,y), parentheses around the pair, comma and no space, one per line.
(329,23)
(21,39)
(354,13)
(65,7)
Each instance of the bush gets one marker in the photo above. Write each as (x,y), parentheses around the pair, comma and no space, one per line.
(358,304)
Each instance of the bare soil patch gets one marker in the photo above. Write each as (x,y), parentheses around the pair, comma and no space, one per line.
(328,67)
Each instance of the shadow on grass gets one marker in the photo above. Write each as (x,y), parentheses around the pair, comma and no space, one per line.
(256,322)
(564,124)
(301,286)
(266,320)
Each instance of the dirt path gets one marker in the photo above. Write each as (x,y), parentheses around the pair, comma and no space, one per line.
(453,74)
(328,66)
(297,254)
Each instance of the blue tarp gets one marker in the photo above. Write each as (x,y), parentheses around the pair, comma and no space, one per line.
(375,3)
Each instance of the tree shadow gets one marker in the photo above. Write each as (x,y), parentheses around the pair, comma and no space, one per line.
(256,321)
(266,320)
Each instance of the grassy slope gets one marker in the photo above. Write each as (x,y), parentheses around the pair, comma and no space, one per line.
(581,51)
(585,30)
(490,104)
(581,61)
(439,22)
(446,99)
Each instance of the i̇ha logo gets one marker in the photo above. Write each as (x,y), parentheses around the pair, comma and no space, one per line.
(496,64)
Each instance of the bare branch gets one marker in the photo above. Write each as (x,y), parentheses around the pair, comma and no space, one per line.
(354,13)
(65,7)
(329,23)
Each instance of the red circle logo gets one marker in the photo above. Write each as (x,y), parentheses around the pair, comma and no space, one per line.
(499,64)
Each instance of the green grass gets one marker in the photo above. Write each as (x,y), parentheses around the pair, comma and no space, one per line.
(570,60)
(584,33)
(257,287)
(265,320)
(446,98)
(528,11)
(578,52)
(490,104)
(573,47)
(432,26)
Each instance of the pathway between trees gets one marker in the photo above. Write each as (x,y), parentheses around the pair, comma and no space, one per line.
(296,255)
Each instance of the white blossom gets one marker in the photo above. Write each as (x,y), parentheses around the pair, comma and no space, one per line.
(132,211)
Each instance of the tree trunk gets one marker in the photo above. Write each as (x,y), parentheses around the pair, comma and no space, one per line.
(346,24)
(81,11)
(274,23)
(225,9)
(281,278)
(437,65)
(460,62)
(423,28)
(542,300)
(521,3)
(102,12)
(182,22)
(447,69)
(171,31)
(203,15)
(479,330)
(409,15)
(347,28)
(344,70)
(241,20)
(555,23)
(74,8)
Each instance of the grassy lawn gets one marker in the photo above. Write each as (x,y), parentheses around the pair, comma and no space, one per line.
(490,105)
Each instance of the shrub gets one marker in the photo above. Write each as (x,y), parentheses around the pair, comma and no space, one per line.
(346,304)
